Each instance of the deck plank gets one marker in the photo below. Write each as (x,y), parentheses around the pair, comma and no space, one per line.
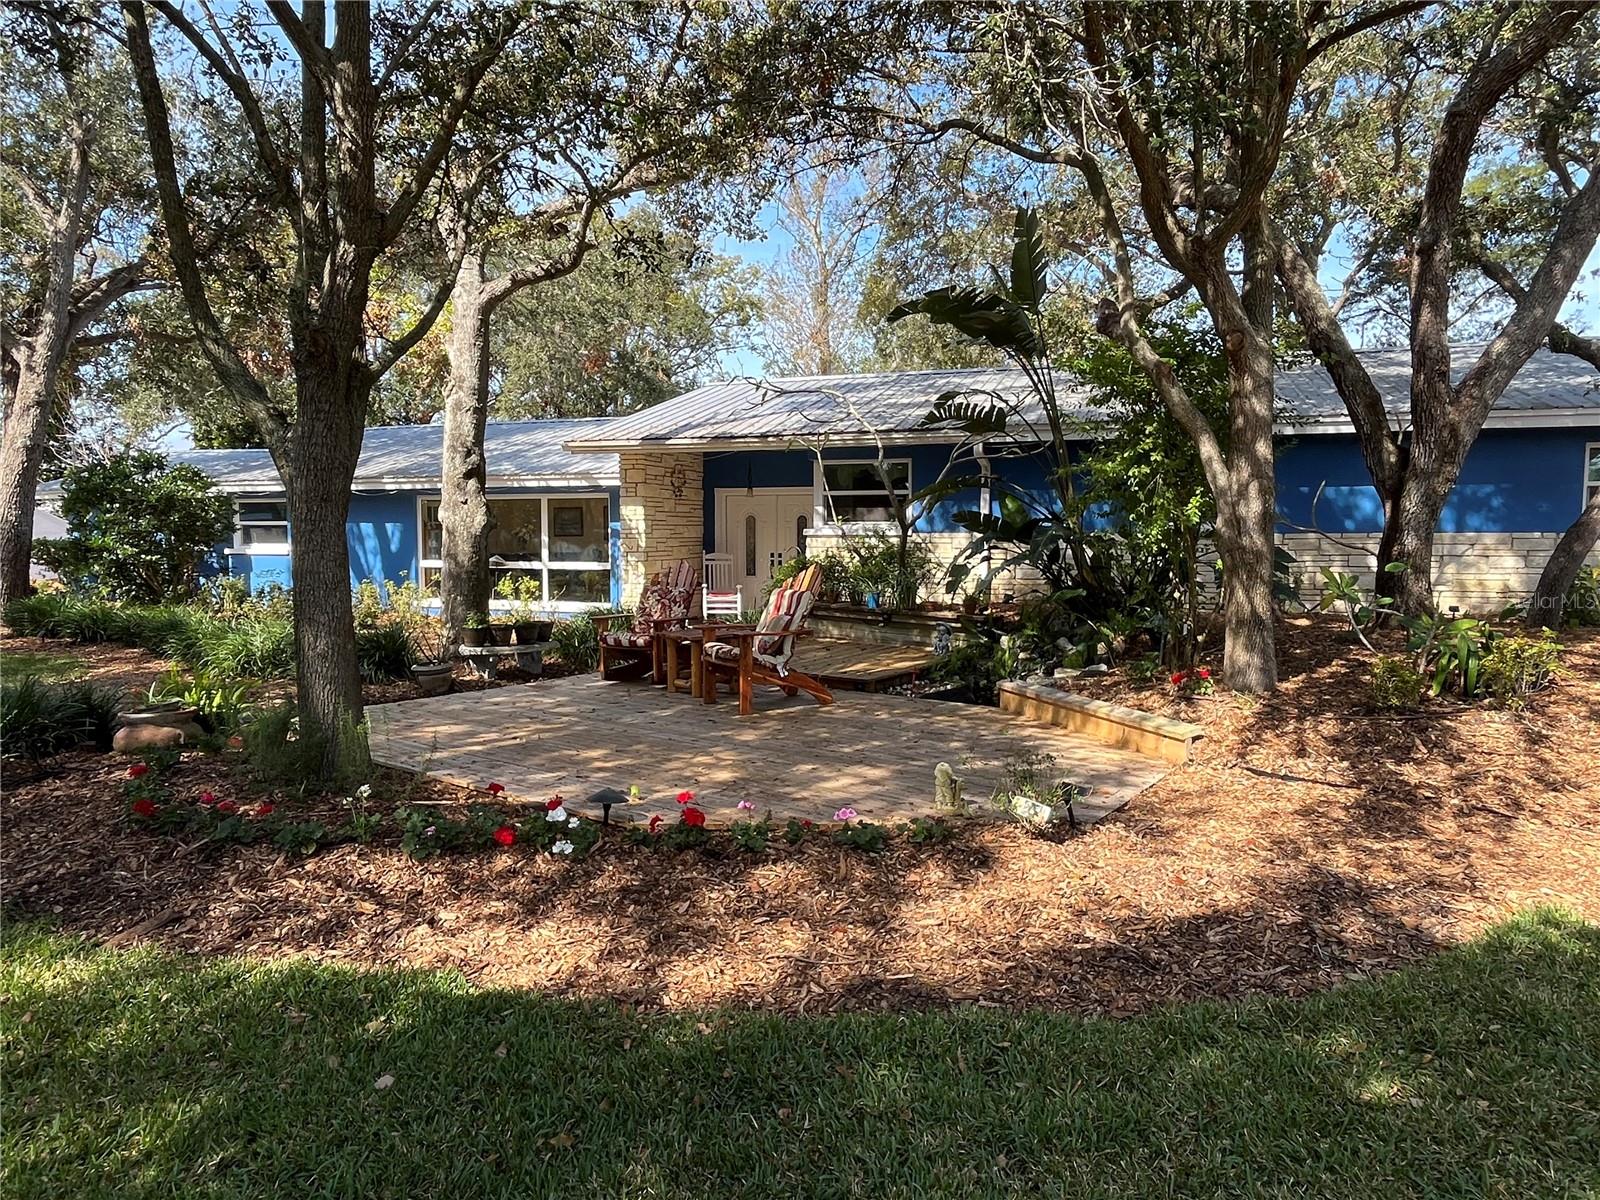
(792,757)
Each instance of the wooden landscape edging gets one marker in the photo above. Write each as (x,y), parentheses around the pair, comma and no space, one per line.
(1113,724)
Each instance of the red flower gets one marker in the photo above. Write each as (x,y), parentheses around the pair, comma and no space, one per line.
(144,807)
(693,816)
(235,742)
(685,797)
(227,806)
(552,804)
(806,824)
(263,808)
(138,770)
(1204,672)
(494,789)
(207,798)
(1177,678)
(505,835)
(655,823)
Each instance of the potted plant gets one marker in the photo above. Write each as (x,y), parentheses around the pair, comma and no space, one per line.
(474,629)
(500,629)
(430,659)
(521,592)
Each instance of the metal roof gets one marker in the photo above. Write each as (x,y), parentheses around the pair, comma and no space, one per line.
(841,409)
(406,457)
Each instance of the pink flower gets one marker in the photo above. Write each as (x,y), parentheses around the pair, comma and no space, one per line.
(505,835)
(494,789)
(845,814)
(685,797)
(144,808)
(207,798)
(235,742)
(747,806)
(138,770)
(693,816)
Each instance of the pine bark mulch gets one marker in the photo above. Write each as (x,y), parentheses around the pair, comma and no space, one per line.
(1311,841)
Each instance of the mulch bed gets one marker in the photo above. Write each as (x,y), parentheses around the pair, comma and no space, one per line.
(1311,841)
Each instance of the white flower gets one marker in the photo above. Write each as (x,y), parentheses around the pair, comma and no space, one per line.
(573,823)
(561,847)
(556,814)
(430,831)
(364,791)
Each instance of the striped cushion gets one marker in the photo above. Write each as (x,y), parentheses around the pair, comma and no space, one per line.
(722,652)
(632,641)
(785,611)
(652,607)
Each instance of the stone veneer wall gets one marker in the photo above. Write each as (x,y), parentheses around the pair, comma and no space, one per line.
(1477,571)
(662,515)
(1021,581)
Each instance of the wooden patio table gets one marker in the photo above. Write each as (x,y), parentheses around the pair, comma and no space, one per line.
(671,641)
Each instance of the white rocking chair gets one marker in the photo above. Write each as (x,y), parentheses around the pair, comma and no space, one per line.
(718,595)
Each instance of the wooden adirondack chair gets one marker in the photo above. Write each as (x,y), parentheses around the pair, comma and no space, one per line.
(744,656)
(665,604)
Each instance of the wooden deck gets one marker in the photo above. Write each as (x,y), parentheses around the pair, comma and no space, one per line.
(874,753)
(841,663)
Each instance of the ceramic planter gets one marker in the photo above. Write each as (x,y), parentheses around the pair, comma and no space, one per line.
(500,634)
(474,637)
(432,679)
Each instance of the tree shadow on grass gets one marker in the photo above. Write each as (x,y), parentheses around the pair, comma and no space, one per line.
(150,1074)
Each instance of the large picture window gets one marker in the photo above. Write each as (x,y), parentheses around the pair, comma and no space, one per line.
(855,493)
(1591,471)
(564,542)
(262,526)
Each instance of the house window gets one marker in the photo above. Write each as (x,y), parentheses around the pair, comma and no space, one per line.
(564,542)
(1591,471)
(262,526)
(855,491)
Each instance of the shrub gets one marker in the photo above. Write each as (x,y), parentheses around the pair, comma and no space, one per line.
(225,703)
(1582,603)
(138,528)
(1516,667)
(576,642)
(1396,683)
(38,719)
(277,752)
(383,651)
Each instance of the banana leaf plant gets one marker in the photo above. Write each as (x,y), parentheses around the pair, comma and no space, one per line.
(1044,532)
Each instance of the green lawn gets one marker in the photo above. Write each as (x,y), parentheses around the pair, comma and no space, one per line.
(144,1074)
(16,664)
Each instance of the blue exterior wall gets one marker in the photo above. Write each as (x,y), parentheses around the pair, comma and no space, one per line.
(383,534)
(1514,481)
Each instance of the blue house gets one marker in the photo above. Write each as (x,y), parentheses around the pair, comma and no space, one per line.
(756,470)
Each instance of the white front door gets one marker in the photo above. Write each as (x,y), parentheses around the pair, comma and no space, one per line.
(761,528)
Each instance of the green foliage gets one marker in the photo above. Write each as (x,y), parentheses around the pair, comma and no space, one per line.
(865,836)
(751,836)
(878,564)
(384,651)
(576,642)
(38,718)
(1582,603)
(928,831)
(1396,683)
(139,528)
(249,645)
(280,754)
(1516,667)
(835,583)
(224,702)
(1450,650)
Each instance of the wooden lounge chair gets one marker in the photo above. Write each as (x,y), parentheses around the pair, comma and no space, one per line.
(665,604)
(744,656)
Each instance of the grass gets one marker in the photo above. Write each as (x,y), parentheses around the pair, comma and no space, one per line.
(15,664)
(147,1074)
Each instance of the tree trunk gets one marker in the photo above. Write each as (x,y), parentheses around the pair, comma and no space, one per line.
(22,447)
(319,464)
(464,507)
(1248,514)
(27,416)
(1547,605)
